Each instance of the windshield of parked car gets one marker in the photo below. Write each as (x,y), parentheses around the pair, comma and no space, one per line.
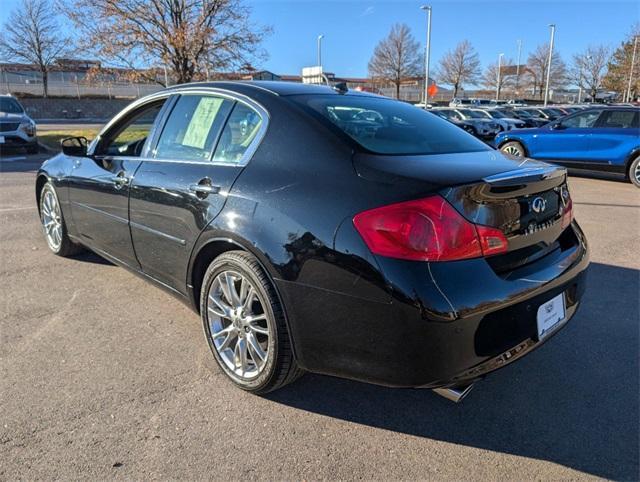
(471,113)
(386,126)
(496,114)
(483,114)
(10,106)
(528,113)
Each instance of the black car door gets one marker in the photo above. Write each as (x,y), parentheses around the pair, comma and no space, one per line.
(202,148)
(99,183)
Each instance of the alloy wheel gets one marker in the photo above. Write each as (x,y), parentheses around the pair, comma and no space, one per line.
(512,150)
(51,218)
(238,325)
(636,173)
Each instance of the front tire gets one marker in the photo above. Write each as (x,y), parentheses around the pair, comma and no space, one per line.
(513,148)
(53,225)
(244,324)
(634,172)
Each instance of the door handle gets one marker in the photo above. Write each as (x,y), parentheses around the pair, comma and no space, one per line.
(120,180)
(204,187)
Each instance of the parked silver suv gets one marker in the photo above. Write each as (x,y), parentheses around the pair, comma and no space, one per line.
(17,129)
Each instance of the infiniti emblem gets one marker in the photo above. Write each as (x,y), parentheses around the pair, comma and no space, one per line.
(539,205)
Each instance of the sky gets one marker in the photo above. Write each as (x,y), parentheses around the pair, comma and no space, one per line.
(351,29)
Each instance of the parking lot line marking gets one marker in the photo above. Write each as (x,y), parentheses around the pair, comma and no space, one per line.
(5,210)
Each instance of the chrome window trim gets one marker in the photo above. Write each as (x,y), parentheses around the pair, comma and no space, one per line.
(246,157)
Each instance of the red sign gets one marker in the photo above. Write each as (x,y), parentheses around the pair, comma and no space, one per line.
(433,90)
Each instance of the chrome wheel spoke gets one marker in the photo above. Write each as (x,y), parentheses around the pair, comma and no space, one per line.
(240,356)
(258,355)
(229,335)
(221,308)
(51,219)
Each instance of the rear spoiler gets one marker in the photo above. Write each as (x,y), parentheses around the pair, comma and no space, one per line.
(525,175)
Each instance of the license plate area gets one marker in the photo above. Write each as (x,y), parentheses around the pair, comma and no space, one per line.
(551,315)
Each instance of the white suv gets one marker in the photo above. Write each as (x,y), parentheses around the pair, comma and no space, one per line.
(17,129)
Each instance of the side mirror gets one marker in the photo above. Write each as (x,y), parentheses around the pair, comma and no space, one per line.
(74,146)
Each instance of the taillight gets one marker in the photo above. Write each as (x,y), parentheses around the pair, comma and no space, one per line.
(567,207)
(428,229)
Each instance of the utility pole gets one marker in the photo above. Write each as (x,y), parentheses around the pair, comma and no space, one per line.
(633,64)
(518,66)
(427,54)
(320,37)
(499,76)
(546,87)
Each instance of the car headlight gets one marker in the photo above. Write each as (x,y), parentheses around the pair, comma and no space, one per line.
(28,128)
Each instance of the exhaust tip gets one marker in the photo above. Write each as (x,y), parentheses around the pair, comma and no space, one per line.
(455,394)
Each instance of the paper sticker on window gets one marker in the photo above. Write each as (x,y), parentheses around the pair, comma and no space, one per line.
(200,125)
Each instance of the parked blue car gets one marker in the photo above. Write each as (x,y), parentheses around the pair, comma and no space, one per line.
(603,139)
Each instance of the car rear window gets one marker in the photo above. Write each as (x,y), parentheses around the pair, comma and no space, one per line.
(386,126)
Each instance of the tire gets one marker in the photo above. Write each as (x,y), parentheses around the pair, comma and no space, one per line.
(634,172)
(513,148)
(227,320)
(51,215)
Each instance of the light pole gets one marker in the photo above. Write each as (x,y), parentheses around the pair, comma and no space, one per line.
(320,37)
(518,66)
(633,62)
(499,76)
(427,53)
(546,87)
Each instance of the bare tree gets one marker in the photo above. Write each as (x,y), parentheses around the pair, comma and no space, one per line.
(185,35)
(396,57)
(459,66)
(537,70)
(589,68)
(492,79)
(31,34)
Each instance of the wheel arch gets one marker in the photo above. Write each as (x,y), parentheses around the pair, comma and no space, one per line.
(633,155)
(215,245)
(514,139)
(41,180)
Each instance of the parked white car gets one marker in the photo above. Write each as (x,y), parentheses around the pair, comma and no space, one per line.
(505,123)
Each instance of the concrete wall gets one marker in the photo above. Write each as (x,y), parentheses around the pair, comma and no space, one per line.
(81,109)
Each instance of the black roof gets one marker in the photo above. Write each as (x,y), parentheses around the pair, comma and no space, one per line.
(280,88)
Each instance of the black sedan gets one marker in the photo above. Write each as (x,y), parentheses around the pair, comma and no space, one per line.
(319,229)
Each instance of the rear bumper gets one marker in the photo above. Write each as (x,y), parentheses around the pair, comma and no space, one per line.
(443,324)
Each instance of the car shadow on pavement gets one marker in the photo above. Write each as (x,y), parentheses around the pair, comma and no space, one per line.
(91,257)
(574,401)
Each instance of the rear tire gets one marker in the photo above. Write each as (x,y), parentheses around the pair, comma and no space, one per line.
(634,172)
(513,148)
(255,355)
(53,225)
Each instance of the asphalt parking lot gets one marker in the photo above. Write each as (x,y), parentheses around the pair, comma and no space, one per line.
(104,376)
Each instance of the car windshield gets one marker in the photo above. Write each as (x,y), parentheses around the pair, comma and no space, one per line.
(475,114)
(10,106)
(528,113)
(386,126)
(496,114)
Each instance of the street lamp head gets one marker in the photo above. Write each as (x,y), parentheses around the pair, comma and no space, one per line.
(320,37)
(425,7)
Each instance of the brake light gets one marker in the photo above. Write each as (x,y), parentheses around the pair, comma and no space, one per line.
(567,213)
(428,229)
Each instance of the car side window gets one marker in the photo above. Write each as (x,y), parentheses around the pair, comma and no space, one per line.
(193,127)
(238,134)
(619,119)
(584,120)
(128,138)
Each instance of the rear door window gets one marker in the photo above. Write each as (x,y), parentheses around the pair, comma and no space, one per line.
(619,119)
(193,128)
(386,126)
(238,135)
